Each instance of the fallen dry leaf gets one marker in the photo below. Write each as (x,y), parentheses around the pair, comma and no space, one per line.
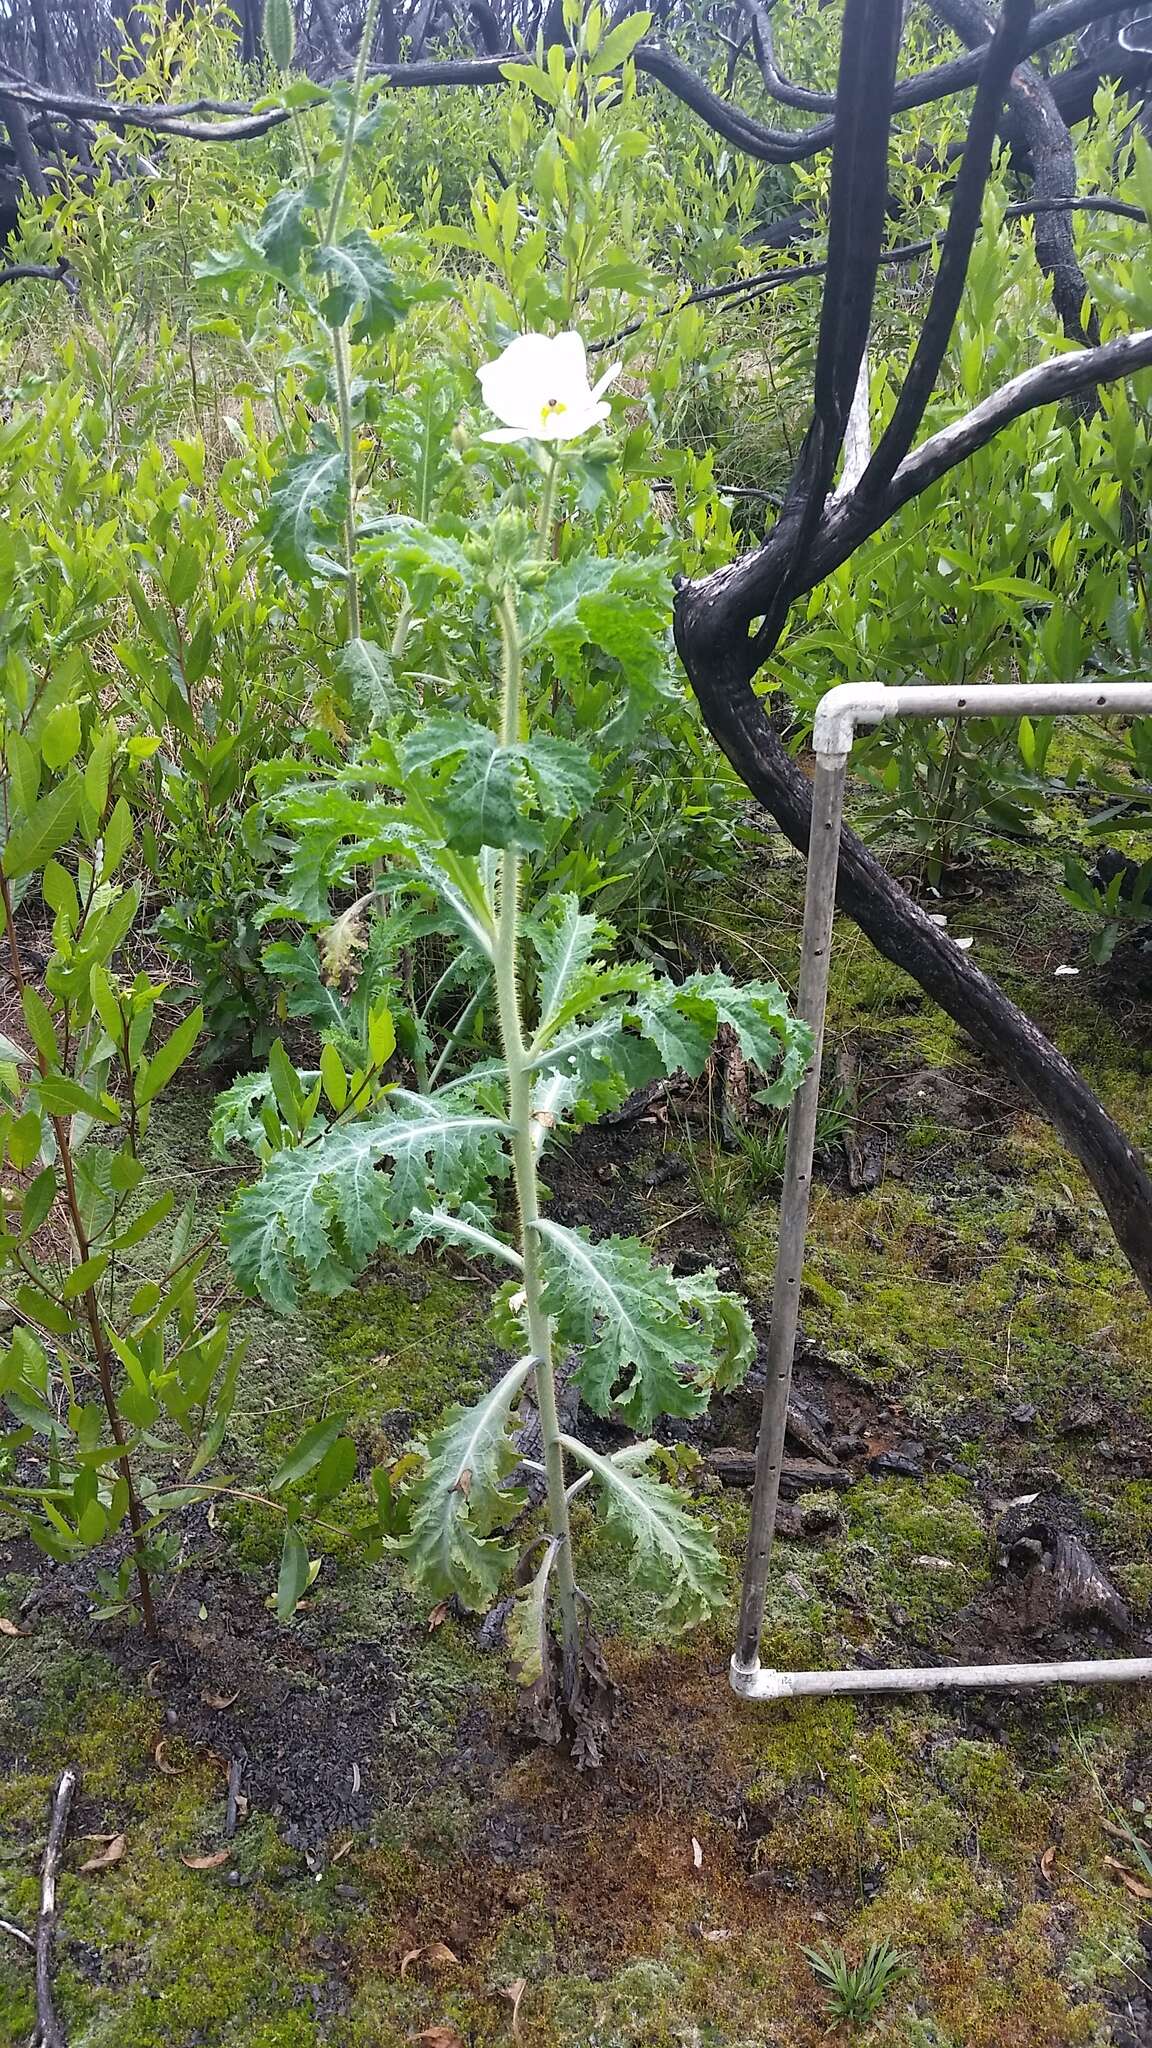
(1047,1860)
(717,1934)
(342,1851)
(219,1701)
(116,1845)
(514,1992)
(212,1862)
(150,1675)
(437,1953)
(160,1759)
(438,1615)
(439,2037)
(1130,1883)
(9,1628)
(697,1853)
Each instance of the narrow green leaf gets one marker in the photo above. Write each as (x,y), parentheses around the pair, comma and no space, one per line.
(295,1574)
(170,1057)
(308,1452)
(50,825)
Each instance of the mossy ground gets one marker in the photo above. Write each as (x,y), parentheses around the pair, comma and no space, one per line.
(664,1903)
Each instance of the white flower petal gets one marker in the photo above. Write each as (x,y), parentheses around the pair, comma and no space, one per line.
(539,389)
(609,377)
(507,434)
(1067,970)
(569,359)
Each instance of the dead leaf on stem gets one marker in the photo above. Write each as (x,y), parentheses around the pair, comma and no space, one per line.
(514,1992)
(1130,1882)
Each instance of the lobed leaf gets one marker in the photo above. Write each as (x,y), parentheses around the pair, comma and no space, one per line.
(642,1356)
(464,1496)
(326,1206)
(671,1554)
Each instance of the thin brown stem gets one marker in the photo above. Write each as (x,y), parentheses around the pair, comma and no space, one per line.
(91,1306)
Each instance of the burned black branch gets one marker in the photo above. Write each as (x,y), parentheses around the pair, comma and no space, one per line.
(754,138)
(955,251)
(728,623)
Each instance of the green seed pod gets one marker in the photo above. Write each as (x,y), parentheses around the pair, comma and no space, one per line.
(279,32)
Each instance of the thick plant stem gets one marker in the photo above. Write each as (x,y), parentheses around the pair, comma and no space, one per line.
(348,447)
(524,1168)
(340,334)
(100,1344)
(544,526)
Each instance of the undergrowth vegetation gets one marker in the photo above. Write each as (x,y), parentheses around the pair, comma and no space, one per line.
(364,850)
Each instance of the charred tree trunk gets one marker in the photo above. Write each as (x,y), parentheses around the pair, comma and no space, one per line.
(900,931)
(23,148)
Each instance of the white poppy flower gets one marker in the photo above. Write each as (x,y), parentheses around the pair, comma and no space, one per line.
(539,388)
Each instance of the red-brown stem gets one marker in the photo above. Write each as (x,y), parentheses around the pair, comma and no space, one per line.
(91,1307)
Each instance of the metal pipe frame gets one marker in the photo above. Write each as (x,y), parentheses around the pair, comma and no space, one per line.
(838,716)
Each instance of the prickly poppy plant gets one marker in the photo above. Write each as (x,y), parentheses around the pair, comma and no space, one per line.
(452,820)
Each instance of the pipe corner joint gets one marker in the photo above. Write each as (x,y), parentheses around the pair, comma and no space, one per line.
(743,1677)
(841,710)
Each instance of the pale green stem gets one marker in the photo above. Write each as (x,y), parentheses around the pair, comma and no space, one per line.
(524,1168)
(348,444)
(345,165)
(544,528)
(302,142)
(340,363)
(403,628)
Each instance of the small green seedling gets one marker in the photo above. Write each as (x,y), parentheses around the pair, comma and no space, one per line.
(855,1991)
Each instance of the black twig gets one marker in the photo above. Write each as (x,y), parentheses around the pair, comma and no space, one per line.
(955,249)
(49,2032)
(55,273)
(754,138)
(744,291)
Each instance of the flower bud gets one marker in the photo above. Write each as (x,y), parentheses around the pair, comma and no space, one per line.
(279,32)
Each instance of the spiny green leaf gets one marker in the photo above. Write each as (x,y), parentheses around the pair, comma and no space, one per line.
(565,939)
(424,557)
(671,1554)
(365,671)
(618,606)
(487,794)
(307,504)
(642,1357)
(528,1623)
(328,1205)
(285,230)
(364,290)
(725,1323)
(682,1020)
(464,1496)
